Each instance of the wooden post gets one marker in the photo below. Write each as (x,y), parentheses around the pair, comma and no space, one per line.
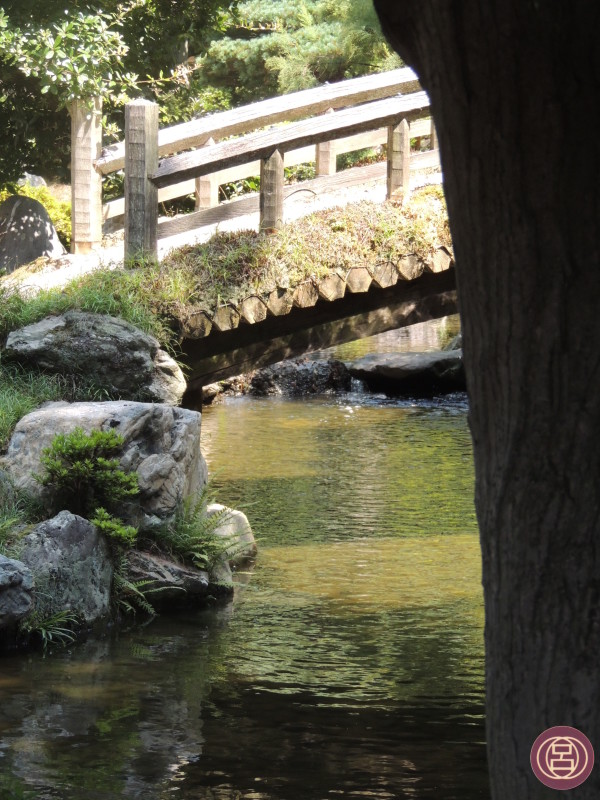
(271,192)
(207,188)
(141,195)
(86,182)
(433,140)
(398,160)
(325,155)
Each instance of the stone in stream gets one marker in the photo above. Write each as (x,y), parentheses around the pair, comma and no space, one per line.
(113,353)
(16,587)
(70,562)
(26,233)
(411,374)
(169,584)
(161,443)
(299,377)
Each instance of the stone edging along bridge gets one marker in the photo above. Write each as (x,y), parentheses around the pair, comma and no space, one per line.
(315,124)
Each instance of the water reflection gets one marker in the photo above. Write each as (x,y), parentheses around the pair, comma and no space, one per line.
(348,666)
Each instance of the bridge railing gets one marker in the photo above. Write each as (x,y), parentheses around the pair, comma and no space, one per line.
(367,111)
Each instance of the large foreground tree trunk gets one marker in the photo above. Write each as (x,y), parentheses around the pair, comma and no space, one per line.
(514,85)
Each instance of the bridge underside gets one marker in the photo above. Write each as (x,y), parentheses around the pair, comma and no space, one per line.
(304,330)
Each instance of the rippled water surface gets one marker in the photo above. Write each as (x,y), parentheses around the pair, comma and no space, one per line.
(349,664)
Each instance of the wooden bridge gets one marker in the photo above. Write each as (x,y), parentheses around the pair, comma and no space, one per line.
(199,156)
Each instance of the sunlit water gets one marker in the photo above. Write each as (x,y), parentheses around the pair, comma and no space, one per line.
(349,664)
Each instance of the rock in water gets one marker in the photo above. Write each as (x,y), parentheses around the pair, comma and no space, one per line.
(71,565)
(411,374)
(115,354)
(161,443)
(170,584)
(16,585)
(26,233)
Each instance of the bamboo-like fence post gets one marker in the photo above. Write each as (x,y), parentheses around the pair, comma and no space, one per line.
(86,182)
(141,195)
(207,188)
(271,192)
(325,155)
(398,160)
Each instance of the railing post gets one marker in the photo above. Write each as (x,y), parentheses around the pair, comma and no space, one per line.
(433,140)
(207,188)
(325,155)
(398,160)
(271,192)
(86,182)
(141,195)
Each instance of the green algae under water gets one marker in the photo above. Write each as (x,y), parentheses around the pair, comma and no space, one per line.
(350,663)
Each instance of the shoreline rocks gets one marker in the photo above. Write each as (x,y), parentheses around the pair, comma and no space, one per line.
(114,354)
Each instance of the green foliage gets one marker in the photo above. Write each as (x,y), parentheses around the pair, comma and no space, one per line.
(83,472)
(55,628)
(114,528)
(58,210)
(80,57)
(281,46)
(120,293)
(21,391)
(192,535)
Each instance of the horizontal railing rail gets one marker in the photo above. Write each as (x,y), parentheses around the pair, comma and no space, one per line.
(200,156)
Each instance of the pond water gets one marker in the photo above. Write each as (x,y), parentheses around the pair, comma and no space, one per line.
(350,663)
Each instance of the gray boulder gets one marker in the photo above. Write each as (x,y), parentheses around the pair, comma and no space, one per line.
(114,353)
(16,586)
(170,584)
(233,527)
(70,561)
(28,179)
(26,233)
(411,374)
(161,443)
(299,377)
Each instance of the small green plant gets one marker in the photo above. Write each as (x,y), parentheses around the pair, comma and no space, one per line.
(83,472)
(56,628)
(192,535)
(114,528)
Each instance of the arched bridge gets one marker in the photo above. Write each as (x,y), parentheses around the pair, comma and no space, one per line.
(292,321)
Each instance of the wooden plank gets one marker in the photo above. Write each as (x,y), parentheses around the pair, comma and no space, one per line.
(332,287)
(358,279)
(268,112)
(253,309)
(430,159)
(226,318)
(305,295)
(385,274)
(86,183)
(356,176)
(141,196)
(197,324)
(298,134)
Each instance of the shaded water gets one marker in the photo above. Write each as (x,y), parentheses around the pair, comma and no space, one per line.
(349,664)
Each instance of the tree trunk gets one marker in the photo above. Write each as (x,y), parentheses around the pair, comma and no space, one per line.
(512,84)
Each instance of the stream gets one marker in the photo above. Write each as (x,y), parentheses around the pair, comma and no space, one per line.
(350,663)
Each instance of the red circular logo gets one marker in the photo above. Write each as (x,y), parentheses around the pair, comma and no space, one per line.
(562,757)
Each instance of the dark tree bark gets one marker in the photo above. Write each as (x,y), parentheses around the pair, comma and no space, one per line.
(513,85)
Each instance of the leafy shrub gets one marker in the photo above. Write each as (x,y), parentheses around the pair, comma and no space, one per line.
(83,472)
(114,528)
